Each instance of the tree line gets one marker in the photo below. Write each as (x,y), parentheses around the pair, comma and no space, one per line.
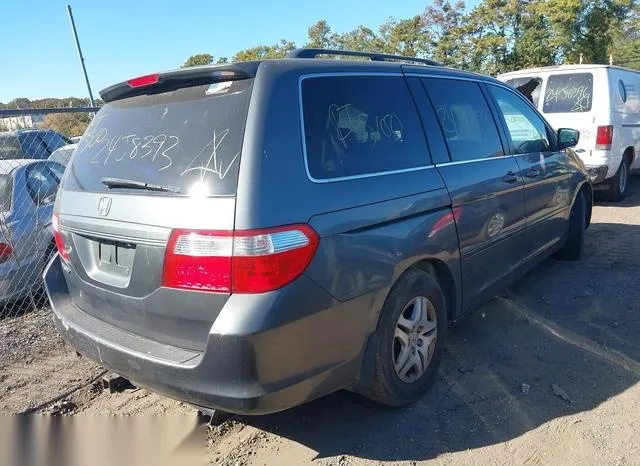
(494,37)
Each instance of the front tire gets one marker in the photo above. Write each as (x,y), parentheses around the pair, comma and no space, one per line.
(409,340)
(617,186)
(574,244)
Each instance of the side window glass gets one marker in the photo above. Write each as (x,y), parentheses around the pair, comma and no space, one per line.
(528,87)
(360,125)
(33,147)
(41,184)
(527,131)
(465,119)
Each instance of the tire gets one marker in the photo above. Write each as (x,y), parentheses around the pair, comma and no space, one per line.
(618,185)
(574,243)
(407,296)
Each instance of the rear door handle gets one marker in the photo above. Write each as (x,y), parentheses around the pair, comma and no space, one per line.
(531,173)
(510,178)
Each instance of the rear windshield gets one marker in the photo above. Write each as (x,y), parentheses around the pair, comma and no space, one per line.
(529,87)
(187,139)
(568,93)
(5,193)
(10,147)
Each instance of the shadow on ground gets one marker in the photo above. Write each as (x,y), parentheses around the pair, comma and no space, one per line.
(570,324)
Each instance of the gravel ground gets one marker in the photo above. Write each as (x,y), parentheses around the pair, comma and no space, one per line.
(546,373)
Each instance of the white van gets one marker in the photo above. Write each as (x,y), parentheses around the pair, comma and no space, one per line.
(600,101)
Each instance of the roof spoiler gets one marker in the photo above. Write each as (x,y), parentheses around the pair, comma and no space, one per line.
(172,80)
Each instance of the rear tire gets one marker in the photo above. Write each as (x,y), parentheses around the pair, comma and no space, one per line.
(573,246)
(617,186)
(409,340)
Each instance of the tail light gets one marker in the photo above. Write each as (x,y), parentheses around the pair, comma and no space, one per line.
(604,136)
(62,249)
(252,261)
(5,252)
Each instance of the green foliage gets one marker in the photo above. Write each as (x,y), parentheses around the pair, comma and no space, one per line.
(262,52)
(69,124)
(198,59)
(24,103)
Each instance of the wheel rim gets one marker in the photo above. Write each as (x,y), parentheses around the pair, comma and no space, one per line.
(414,339)
(623,177)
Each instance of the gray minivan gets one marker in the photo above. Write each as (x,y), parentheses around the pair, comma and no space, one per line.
(251,236)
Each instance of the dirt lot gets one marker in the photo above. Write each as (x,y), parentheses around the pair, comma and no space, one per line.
(546,373)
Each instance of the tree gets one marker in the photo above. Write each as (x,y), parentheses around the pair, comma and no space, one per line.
(405,37)
(223,60)
(625,47)
(444,24)
(320,35)
(262,52)
(198,59)
(70,124)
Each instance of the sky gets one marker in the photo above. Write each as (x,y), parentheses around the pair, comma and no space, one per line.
(121,39)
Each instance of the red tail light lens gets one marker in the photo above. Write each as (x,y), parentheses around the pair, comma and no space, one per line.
(5,252)
(57,236)
(145,80)
(253,261)
(604,137)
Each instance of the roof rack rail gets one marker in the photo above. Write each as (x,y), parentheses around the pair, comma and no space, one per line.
(313,53)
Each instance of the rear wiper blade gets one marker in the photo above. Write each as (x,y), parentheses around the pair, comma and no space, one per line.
(134,184)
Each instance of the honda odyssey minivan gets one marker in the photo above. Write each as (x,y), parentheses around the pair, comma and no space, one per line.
(251,236)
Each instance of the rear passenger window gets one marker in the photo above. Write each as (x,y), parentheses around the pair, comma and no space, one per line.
(360,125)
(526,129)
(465,119)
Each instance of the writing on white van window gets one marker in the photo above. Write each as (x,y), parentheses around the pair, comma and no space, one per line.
(579,95)
(347,120)
(209,161)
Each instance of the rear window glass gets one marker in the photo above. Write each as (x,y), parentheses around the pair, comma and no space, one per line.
(10,147)
(187,139)
(568,93)
(530,87)
(5,192)
(360,125)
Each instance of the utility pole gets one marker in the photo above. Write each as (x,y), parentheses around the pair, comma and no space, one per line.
(84,69)
(581,59)
(611,59)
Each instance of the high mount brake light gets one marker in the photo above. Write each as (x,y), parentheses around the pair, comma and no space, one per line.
(145,80)
(252,261)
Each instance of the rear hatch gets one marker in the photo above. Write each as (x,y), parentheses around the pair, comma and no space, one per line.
(162,154)
(568,103)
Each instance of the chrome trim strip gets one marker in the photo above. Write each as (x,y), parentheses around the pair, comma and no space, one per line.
(445,76)
(304,137)
(118,238)
(462,162)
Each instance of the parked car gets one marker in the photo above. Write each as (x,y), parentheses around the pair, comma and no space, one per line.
(30,144)
(27,192)
(63,154)
(603,102)
(250,236)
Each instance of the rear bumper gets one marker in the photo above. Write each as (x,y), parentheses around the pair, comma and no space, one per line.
(17,280)
(248,367)
(598,174)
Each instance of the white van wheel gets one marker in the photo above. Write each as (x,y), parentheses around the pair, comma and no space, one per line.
(619,184)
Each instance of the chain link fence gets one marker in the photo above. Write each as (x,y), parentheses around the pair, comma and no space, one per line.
(35,147)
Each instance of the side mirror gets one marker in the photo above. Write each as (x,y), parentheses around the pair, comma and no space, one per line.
(568,137)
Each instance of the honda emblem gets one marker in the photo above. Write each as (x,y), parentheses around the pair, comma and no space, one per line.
(104,206)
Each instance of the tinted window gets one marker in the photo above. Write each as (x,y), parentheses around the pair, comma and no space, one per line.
(10,147)
(527,131)
(188,138)
(42,185)
(32,146)
(529,87)
(465,119)
(53,140)
(360,125)
(5,192)
(568,93)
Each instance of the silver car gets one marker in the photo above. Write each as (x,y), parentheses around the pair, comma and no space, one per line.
(27,192)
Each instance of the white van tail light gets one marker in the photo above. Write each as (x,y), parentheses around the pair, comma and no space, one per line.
(252,261)
(604,136)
